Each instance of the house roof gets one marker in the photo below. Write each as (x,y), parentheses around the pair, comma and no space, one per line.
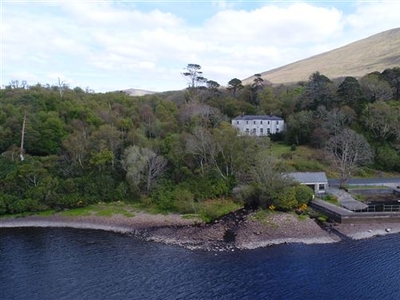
(309,177)
(258,117)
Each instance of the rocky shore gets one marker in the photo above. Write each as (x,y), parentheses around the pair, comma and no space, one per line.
(236,231)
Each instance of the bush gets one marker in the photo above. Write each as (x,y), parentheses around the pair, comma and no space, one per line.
(286,199)
(24,205)
(242,193)
(183,200)
(303,194)
(207,187)
(387,159)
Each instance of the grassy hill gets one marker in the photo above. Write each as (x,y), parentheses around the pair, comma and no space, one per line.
(375,53)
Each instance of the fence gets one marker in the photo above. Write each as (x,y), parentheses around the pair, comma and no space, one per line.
(380,208)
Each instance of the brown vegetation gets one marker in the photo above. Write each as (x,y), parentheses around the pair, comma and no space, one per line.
(375,53)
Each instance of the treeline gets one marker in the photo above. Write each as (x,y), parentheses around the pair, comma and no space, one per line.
(177,150)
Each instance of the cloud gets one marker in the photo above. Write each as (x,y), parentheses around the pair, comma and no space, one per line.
(374,17)
(118,45)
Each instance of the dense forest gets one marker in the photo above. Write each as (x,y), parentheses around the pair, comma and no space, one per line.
(65,147)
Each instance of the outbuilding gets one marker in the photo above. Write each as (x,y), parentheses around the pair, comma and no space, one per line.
(317,181)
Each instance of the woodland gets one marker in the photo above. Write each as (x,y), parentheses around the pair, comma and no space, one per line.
(64,147)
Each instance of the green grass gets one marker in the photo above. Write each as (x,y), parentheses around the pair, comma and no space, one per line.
(331,199)
(303,159)
(263,216)
(45,213)
(302,217)
(103,210)
(213,209)
(77,212)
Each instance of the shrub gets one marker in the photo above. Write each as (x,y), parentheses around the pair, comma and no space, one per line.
(286,199)
(183,200)
(387,159)
(242,193)
(24,205)
(303,194)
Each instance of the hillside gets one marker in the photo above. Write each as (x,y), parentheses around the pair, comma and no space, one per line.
(375,53)
(138,92)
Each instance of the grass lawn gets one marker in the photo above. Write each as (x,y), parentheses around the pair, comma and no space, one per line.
(302,159)
(103,210)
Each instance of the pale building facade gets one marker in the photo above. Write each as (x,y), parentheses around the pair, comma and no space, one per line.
(259,125)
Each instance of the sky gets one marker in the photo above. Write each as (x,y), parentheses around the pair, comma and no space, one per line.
(117,45)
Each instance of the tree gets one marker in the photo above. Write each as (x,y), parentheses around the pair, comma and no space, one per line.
(350,94)
(375,88)
(201,145)
(194,75)
(299,127)
(213,85)
(318,91)
(234,153)
(392,76)
(271,186)
(143,167)
(349,151)
(106,137)
(380,119)
(234,85)
(254,88)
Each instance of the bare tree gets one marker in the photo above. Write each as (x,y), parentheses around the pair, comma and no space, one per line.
(21,153)
(380,119)
(143,167)
(156,165)
(349,150)
(61,87)
(376,88)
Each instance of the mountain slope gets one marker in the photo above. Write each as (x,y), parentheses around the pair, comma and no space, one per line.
(375,53)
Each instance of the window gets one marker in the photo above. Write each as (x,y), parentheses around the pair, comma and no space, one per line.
(277,122)
(247,122)
(261,131)
(260,122)
(247,130)
(322,187)
(268,130)
(268,123)
(254,131)
(254,122)
(277,129)
(237,122)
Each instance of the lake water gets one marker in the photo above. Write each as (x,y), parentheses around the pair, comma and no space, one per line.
(58,263)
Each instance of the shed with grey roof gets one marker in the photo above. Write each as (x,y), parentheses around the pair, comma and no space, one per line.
(317,181)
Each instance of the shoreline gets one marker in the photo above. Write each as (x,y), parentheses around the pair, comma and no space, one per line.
(223,235)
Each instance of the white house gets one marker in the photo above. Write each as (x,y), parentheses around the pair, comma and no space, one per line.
(259,125)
